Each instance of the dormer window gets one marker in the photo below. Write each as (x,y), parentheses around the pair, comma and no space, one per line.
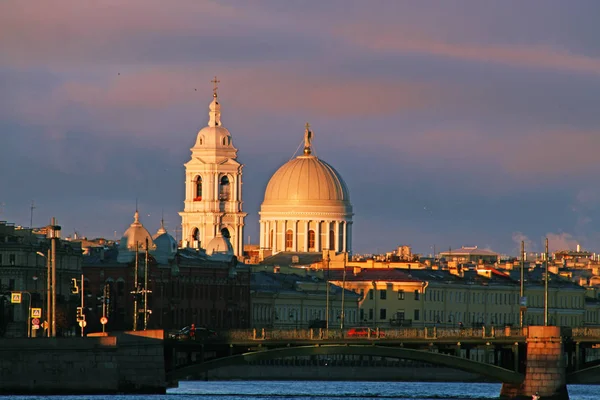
(224,189)
(198,193)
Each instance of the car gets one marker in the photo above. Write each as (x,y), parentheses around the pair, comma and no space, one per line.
(363,331)
(200,333)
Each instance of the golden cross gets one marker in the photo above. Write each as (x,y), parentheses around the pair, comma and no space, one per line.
(215,87)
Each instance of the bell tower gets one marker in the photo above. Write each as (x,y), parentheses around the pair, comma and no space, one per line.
(213,187)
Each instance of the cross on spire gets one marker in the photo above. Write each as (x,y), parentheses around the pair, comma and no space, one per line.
(215,81)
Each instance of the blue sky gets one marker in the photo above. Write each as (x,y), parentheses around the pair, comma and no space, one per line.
(453,123)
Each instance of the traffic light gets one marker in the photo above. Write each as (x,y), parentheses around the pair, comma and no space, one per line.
(80,316)
(74,287)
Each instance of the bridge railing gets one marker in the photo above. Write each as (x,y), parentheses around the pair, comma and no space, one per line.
(586,332)
(376,334)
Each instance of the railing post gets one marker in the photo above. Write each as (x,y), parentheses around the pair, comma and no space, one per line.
(311,334)
(263,333)
(435,332)
(377,332)
(254,334)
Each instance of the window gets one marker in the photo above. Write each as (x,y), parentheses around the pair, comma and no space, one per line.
(371,294)
(289,239)
(362,293)
(362,314)
(400,294)
(225,233)
(224,189)
(195,234)
(370,313)
(416,295)
(382,313)
(383,294)
(331,240)
(0,259)
(416,315)
(12,259)
(311,239)
(198,194)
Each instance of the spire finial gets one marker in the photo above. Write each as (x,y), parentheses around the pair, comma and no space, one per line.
(215,81)
(215,107)
(308,137)
(136,216)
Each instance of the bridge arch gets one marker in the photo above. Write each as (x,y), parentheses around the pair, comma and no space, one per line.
(487,370)
(587,376)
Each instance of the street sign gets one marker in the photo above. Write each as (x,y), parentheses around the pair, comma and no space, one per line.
(82,324)
(35,321)
(36,313)
(523,301)
(104,320)
(15,297)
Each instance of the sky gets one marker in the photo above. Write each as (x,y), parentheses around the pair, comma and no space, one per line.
(454,123)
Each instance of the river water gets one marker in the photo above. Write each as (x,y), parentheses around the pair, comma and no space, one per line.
(324,390)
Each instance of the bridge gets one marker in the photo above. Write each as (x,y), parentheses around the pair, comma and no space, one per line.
(528,360)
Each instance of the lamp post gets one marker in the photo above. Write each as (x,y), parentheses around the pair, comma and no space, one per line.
(546,288)
(522,288)
(342,317)
(53,235)
(327,296)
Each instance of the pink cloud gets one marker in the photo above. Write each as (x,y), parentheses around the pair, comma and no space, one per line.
(394,39)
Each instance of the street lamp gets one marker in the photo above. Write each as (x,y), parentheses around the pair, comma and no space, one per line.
(48,289)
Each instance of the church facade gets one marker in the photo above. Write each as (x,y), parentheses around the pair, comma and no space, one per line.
(213,188)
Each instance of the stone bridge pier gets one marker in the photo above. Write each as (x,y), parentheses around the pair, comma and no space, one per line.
(545,372)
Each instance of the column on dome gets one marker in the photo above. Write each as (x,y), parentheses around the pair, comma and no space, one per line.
(349,246)
(337,237)
(282,234)
(306,226)
(295,240)
(274,249)
(318,236)
(344,236)
(328,240)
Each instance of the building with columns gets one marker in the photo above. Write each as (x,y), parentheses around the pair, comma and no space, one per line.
(306,207)
(213,187)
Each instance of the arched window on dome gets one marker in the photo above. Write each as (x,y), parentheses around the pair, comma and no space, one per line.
(198,192)
(224,188)
(311,240)
(331,239)
(224,141)
(289,239)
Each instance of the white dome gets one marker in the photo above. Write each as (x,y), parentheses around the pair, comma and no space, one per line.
(214,135)
(135,234)
(166,245)
(304,180)
(219,245)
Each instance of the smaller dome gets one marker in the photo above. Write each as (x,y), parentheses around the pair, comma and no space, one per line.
(219,245)
(136,233)
(166,245)
(214,135)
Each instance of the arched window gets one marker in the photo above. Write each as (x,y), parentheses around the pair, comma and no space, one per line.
(311,239)
(224,188)
(289,239)
(198,195)
(225,233)
(331,240)
(195,238)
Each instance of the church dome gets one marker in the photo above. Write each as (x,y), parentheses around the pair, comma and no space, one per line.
(166,245)
(219,245)
(214,135)
(304,179)
(135,234)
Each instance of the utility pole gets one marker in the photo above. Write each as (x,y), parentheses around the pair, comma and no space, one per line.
(343,292)
(546,288)
(82,322)
(31,215)
(135,288)
(327,296)
(146,289)
(522,291)
(54,234)
(49,293)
